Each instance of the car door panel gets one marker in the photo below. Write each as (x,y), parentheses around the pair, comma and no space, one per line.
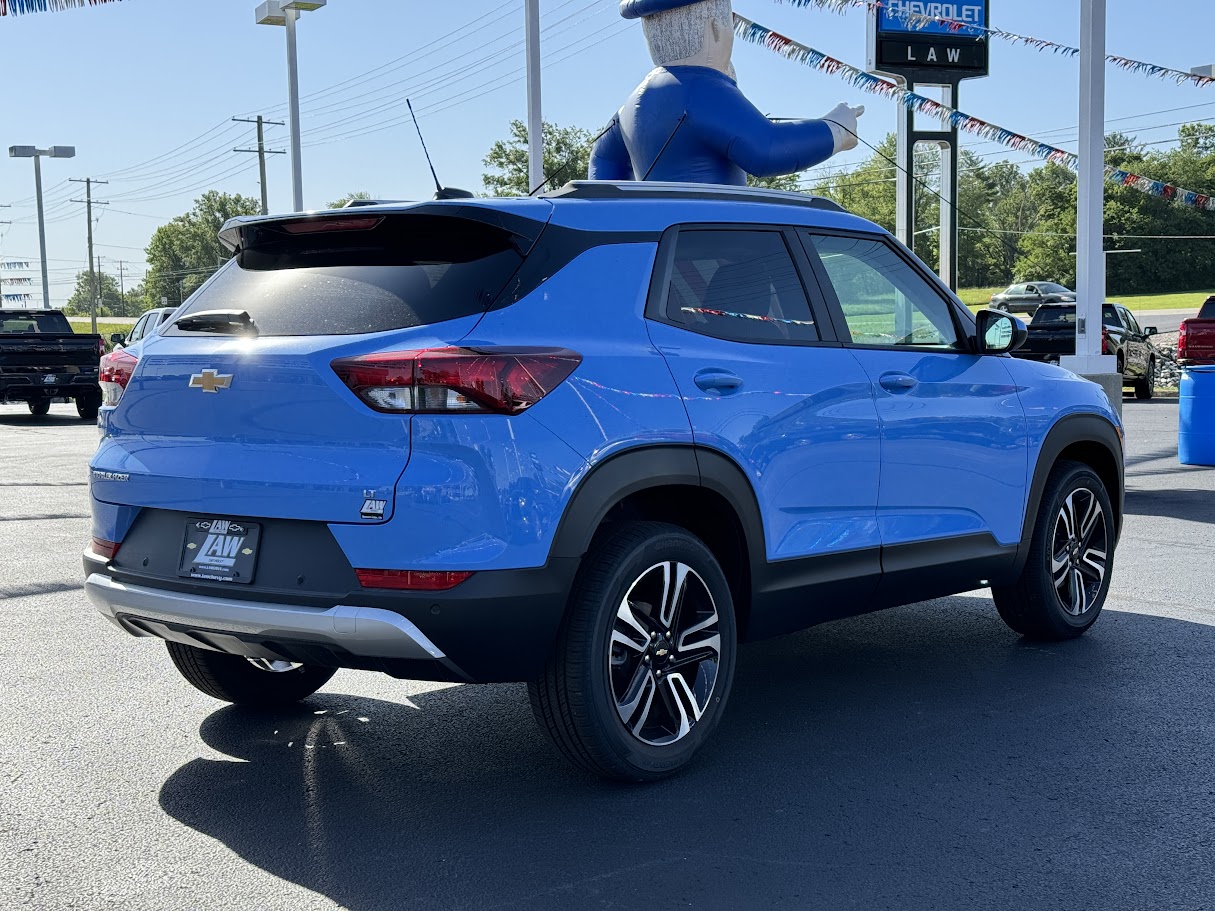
(796,414)
(954,437)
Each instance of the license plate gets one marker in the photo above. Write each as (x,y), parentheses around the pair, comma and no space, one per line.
(50,379)
(219,550)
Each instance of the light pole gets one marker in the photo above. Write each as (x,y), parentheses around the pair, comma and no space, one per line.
(36,153)
(286,12)
(535,120)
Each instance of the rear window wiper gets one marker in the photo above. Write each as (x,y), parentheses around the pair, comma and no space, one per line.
(223,322)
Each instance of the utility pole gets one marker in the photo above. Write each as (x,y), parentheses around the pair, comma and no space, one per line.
(88,203)
(3,206)
(262,152)
(122,288)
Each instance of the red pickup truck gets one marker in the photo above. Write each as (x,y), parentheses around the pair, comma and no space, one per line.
(1196,343)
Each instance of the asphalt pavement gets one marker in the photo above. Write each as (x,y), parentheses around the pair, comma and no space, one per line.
(921,758)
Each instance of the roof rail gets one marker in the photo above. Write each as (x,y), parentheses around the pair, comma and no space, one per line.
(653,189)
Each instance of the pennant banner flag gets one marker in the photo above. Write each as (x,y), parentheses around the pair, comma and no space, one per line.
(18,7)
(19,298)
(920,21)
(18,281)
(14,264)
(788,48)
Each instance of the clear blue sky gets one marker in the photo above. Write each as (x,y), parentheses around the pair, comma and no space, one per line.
(133,85)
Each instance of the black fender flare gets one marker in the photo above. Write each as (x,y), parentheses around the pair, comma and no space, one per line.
(649,467)
(1083,429)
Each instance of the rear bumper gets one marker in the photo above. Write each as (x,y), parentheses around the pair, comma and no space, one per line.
(501,629)
(27,390)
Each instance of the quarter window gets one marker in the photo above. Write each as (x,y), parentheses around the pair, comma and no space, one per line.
(884,300)
(739,285)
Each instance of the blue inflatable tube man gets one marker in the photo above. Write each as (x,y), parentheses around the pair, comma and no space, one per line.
(689,122)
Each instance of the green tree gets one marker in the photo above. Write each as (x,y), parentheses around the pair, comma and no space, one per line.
(341,201)
(185,252)
(789,182)
(110,301)
(567,156)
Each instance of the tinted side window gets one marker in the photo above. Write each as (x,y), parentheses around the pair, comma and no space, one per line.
(1110,317)
(137,331)
(739,285)
(884,300)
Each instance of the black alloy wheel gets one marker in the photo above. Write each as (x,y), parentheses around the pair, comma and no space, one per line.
(643,667)
(1080,551)
(666,652)
(1066,578)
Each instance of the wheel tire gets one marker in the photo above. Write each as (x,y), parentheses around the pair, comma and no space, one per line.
(40,409)
(231,678)
(87,406)
(575,701)
(1146,387)
(1033,605)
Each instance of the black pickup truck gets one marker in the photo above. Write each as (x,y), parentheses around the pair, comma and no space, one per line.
(1052,334)
(42,361)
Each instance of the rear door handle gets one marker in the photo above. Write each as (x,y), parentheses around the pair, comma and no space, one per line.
(723,382)
(898,382)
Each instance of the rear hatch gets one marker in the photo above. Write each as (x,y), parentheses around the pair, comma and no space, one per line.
(241,413)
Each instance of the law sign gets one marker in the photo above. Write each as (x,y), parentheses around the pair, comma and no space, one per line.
(927,41)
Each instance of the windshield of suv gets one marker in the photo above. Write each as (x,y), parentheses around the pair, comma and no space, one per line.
(391,272)
(19,322)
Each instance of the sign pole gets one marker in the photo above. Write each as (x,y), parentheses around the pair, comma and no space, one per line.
(1090,213)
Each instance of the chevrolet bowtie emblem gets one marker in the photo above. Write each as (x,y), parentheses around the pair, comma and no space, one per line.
(210,381)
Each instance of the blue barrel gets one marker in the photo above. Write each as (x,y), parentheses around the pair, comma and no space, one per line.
(1196,438)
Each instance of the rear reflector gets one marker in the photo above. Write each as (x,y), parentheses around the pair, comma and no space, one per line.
(103,548)
(116,370)
(457,380)
(417,580)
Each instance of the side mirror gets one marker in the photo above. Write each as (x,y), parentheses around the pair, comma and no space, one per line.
(999,332)
(118,339)
(1151,330)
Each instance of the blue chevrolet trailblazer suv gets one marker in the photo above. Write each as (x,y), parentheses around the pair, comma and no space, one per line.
(592,441)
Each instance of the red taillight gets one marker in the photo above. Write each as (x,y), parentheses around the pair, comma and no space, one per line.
(457,380)
(1182,341)
(116,370)
(103,548)
(101,347)
(417,580)
(1105,340)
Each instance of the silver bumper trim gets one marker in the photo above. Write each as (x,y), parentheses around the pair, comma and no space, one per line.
(366,631)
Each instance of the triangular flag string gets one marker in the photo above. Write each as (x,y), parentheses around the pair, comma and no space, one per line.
(754,33)
(20,7)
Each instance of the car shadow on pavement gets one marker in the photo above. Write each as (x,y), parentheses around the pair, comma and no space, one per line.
(1188,504)
(920,758)
(64,419)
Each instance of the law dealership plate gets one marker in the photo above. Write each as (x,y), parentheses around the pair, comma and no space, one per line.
(219,550)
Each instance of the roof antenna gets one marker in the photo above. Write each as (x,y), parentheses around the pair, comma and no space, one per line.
(441,192)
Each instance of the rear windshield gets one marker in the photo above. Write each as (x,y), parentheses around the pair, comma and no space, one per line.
(406,271)
(19,323)
(1060,317)
(1207,311)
